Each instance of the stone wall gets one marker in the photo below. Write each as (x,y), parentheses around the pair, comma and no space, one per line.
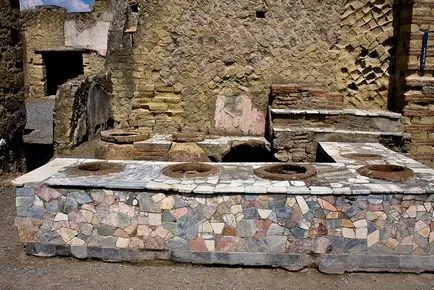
(12,108)
(93,63)
(418,83)
(50,28)
(365,48)
(216,55)
(88,30)
(83,107)
(43,29)
(390,232)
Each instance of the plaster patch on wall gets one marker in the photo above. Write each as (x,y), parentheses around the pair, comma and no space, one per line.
(237,114)
(94,37)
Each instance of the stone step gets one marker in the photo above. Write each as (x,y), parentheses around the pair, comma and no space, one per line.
(418,97)
(419,127)
(422,19)
(421,112)
(426,142)
(301,144)
(419,81)
(302,96)
(417,52)
(416,66)
(423,3)
(348,119)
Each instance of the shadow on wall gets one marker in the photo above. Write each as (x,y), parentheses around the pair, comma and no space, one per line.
(402,18)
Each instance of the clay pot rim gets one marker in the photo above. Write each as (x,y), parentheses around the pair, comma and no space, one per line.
(202,170)
(266,171)
(94,168)
(379,171)
(188,137)
(121,136)
(363,156)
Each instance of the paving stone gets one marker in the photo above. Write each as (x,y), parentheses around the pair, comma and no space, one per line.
(246,228)
(80,197)
(264,213)
(24,201)
(275,230)
(217,227)
(146,204)
(66,234)
(70,205)
(250,213)
(106,230)
(47,194)
(283,212)
(154,219)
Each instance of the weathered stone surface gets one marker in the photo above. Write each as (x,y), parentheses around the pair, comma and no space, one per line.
(12,107)
(146,203)
(187,152)
(190,91)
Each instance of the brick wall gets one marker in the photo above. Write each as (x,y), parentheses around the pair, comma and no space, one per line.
(418,83)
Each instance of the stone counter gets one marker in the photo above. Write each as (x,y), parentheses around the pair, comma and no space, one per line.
(138,215)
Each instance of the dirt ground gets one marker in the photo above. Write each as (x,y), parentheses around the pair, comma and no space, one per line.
(19,271)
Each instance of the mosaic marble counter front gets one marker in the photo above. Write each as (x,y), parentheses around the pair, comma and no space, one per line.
(368,225)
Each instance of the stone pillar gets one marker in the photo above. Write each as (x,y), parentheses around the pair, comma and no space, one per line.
(12,107)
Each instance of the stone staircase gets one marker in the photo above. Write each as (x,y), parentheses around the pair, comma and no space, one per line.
(300,117)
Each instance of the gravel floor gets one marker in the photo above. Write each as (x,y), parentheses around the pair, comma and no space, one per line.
(40,119)
(19,271)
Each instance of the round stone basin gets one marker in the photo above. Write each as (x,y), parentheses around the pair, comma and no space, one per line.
(363,156)
(386,172)
(189,170)
(187,137)
(95,168)
(286,171)
(123,136)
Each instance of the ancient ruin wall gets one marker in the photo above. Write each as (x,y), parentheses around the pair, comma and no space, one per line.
(83,107)
(12,108)
(208,66)
(43,29)
(365,49)
(197,62)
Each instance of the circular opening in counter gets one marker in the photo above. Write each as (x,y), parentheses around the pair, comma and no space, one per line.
(189,170)
(386,172)
(123,136)
(286,171)
(95,168)
(187,137)
(363,156)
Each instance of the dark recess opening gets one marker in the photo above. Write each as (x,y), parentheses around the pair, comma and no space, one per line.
(134,7)
(260,14)
(37,155)
(61,66)
(248,152)
(323,157)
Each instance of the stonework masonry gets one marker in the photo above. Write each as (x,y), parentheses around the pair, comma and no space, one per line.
(200,52)
(51,28)
(12,108)
(83,106)
(365,51)
(43,29)
(418,83)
